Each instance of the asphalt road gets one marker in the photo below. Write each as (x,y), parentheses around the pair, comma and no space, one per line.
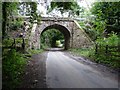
(65,72)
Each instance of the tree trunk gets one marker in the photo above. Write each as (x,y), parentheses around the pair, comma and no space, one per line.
(4,16)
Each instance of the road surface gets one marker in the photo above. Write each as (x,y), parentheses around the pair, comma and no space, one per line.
(65,72)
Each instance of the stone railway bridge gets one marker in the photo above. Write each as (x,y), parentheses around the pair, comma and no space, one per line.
(75,36)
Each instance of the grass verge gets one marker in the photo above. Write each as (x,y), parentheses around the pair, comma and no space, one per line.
(101,58)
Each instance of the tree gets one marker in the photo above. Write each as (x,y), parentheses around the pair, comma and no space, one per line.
(8,10)
(108,12)
(50,36)
(72,7)
(29,9)
(12,9)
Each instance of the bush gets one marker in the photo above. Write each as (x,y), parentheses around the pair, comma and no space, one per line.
(101,56)
(13,64)
(112,40)
(7,42)
(108,58)
(16,24)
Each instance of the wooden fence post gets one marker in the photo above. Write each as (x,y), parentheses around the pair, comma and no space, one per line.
(106,49)
(96,48)
(23,44)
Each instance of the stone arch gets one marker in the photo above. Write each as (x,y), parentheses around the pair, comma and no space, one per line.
(62,29)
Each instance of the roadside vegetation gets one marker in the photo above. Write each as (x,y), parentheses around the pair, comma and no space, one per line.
(13,66)
(101,23)
(14,60)
(15,52)
(105,51)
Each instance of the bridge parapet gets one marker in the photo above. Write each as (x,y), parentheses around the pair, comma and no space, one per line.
(55,19)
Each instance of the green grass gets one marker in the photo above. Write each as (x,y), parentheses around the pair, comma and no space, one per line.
(35,51)
(85,52)
(102,58)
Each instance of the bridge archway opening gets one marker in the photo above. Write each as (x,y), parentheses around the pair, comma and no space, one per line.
(63,30)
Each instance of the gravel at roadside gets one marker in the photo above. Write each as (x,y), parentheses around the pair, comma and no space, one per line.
(35,72)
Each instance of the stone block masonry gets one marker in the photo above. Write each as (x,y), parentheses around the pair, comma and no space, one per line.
(75,36)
